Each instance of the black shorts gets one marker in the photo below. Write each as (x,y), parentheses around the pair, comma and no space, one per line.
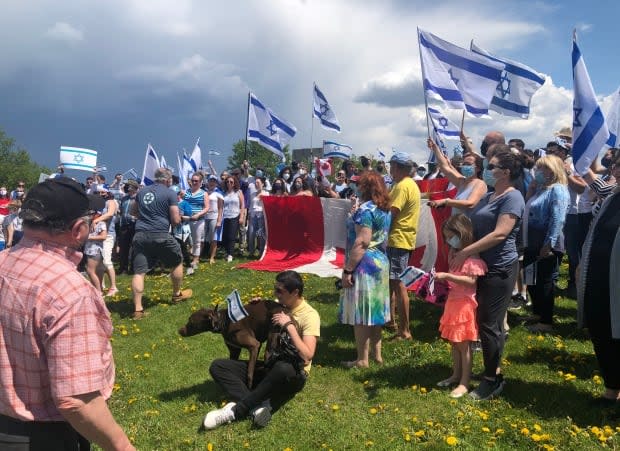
(151,247)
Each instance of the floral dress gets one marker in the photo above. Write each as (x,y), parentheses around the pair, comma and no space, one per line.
(458,322)
(368,301)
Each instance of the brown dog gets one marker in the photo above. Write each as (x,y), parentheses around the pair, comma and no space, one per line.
(248,333)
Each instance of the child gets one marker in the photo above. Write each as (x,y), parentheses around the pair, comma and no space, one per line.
(458,322)
(93,250)
(183,234)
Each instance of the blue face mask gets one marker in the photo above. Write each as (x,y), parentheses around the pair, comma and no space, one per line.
(540,178)
(489,178)
(485,163)
(259,173)
(467,170)
(454,242)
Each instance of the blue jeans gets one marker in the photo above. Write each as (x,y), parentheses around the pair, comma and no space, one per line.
(256,232)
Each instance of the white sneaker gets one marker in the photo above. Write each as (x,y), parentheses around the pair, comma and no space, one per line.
(219,417)
(229,258)
(261,415)
(189,271)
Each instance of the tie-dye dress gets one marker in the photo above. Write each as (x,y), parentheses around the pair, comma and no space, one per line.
(368,301)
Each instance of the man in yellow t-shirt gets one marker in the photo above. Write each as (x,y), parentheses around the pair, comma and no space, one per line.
(405,196)
(281,380)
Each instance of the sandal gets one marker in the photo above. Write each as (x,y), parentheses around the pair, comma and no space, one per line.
(138,314)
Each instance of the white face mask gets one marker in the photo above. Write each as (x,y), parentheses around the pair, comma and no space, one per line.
(302,172)
(286,176)
(2,192)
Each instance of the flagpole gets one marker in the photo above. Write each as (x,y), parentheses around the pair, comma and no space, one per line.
(312,125)
(428,127)
(146,156)
(247,127)
(463,120)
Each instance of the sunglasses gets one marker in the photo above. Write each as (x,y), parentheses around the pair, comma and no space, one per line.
(490,167)
(340,175)
(230,181)
(195,181)
(21,186)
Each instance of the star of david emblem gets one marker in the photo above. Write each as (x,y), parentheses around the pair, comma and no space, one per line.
(148,198)
(78,158)
(454,79)
(503,87)
(336,147)
(443,122)
(576,113)
(272,127)
(324,109)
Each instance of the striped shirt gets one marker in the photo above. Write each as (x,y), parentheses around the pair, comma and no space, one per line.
(56,331)
(195,200)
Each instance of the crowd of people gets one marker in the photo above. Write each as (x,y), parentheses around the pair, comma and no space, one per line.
(515,215)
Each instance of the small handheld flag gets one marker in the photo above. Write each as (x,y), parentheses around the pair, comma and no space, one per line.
(78,158)
(236,311)
(324,112)
(334,150)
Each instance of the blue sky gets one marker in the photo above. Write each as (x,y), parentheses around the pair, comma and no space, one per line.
(115,75)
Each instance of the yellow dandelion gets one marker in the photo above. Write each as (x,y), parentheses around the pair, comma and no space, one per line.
(288,448)
(540,338)
(124,332)
(548,447)
(537,427)
(525,431)
(209,446)
(451,440)
(419,433)
(407,437)
(369,443)
(116,387)
(422,390)
(485,429)
(335,407)
(366,382)
(147,355)
(373,411)
(414,387)
(131,400)
(536,437)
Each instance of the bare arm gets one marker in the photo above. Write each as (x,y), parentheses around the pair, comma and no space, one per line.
(361,243)
(175,215)
(241,208)
(444,165)
(306,345)
(220,211)
(90,416)
(474,197)
(466,281)
(111,211)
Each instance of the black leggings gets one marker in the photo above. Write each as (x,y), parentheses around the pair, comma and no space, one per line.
(18,435)
(281,381)
(543,293)
(229,234)
(493,294)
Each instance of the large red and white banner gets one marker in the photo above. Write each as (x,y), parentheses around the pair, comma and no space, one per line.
(308,234)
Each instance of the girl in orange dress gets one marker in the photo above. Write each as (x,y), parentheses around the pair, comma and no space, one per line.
(458,322)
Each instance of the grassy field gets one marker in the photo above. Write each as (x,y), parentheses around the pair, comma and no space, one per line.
(163,388)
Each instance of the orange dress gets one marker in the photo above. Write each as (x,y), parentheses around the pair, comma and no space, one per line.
(458,322)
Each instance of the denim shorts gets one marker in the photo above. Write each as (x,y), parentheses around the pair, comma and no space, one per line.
(151,247)
(399,260)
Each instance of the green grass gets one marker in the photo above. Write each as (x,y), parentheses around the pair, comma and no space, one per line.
(164,389)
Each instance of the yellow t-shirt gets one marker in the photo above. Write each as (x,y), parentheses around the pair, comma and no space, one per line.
(309,323)
(405,196)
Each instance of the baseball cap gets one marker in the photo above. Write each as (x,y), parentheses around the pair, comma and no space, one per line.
(401,158)
(60,199)
(212,177)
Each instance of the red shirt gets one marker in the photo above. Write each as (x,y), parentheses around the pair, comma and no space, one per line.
(4,209)
(56,330)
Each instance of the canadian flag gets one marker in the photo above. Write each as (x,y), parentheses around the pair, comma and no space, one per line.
(308,234)
(323,166)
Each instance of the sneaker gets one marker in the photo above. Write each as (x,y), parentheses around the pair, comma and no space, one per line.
(219,417)
(183,294)
(261,415)
(516,302)
(488,389)
(189,271)
(229,258)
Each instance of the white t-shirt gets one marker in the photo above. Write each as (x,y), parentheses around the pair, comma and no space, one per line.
(213,200)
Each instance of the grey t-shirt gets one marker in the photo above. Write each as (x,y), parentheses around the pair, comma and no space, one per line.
(154,204)
(484,218)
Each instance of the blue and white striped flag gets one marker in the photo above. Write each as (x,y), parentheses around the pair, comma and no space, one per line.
(334,150)
(215,152)
(196,156)
(236,311)
(78,158)
(515,89)
(151,164)
(381,155)
(613,121)
(443,126)
(162,163)
(324,112)
(590,132)
(268,129)
(459,77)
(183,183)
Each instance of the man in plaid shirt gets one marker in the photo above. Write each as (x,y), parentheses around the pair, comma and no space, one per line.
(56,365)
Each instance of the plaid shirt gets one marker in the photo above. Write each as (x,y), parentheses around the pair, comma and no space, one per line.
(55,332)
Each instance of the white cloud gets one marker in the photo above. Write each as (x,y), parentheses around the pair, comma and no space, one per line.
(62,31)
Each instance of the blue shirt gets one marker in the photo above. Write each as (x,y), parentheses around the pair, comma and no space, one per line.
(546,212)
(195,200)
(484,218)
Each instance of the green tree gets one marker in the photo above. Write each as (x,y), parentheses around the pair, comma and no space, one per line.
(15,164)
(258,156)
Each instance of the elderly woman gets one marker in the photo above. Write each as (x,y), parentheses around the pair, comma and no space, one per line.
(543,221)
(470,188)
(598,293)
(233,214)
(496,220)
(365,299)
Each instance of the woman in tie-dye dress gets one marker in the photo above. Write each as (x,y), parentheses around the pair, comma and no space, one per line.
(365,298)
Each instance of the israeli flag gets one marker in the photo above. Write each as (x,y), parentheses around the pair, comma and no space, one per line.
(459,77)
(515,89)
(214,152)
(196,156)
(443,126)
(334,150)
(163,164)
(78,158)
(590,131)
(324,112)
(613,121)
(183,183)
(236,311)
(267,129)
(151,164)
(381,155)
